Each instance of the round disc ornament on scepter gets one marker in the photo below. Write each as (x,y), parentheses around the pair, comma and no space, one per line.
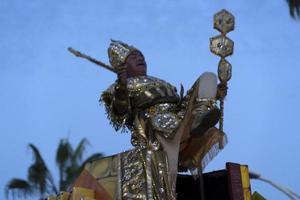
(222,46)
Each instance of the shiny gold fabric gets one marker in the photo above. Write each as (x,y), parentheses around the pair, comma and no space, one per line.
(151,100)
(135,174)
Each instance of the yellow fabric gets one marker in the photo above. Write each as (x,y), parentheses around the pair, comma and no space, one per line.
(105,171)
(51,198)
(245,182)
(200,151)
(83,193)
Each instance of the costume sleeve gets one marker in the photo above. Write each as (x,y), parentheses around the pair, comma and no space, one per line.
(117,105)
(120,101)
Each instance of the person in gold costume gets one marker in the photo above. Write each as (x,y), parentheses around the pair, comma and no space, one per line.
(151,108)
(162,124)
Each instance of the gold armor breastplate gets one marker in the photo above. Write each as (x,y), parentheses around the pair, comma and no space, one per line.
(150,99)
(146,91)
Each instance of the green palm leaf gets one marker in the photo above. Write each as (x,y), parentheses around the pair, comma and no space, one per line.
(18,187)
(64,156)
(79,151)
(39,178)
(38,173)
(64,153)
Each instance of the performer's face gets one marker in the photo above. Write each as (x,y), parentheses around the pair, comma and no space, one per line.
(136,64)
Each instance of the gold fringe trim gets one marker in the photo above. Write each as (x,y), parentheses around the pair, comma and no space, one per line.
(200,151)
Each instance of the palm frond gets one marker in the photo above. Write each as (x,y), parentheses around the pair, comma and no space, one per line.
(36,153)
(40,181)
(38,174)
(64,153)
(38,171)
(72,172)
(79,151)
(294,6)
(18,187)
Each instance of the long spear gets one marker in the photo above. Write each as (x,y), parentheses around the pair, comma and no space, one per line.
(93,60)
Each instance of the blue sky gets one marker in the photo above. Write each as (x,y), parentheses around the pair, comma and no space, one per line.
(47,94)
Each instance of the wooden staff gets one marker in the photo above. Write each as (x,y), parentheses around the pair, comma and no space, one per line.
(93,60)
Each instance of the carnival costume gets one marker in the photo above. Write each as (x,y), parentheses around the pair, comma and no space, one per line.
(153,113)
(158,118)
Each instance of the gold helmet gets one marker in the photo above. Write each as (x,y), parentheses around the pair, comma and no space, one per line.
(118,52)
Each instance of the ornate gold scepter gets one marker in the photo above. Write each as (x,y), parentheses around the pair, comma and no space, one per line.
(222,46)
